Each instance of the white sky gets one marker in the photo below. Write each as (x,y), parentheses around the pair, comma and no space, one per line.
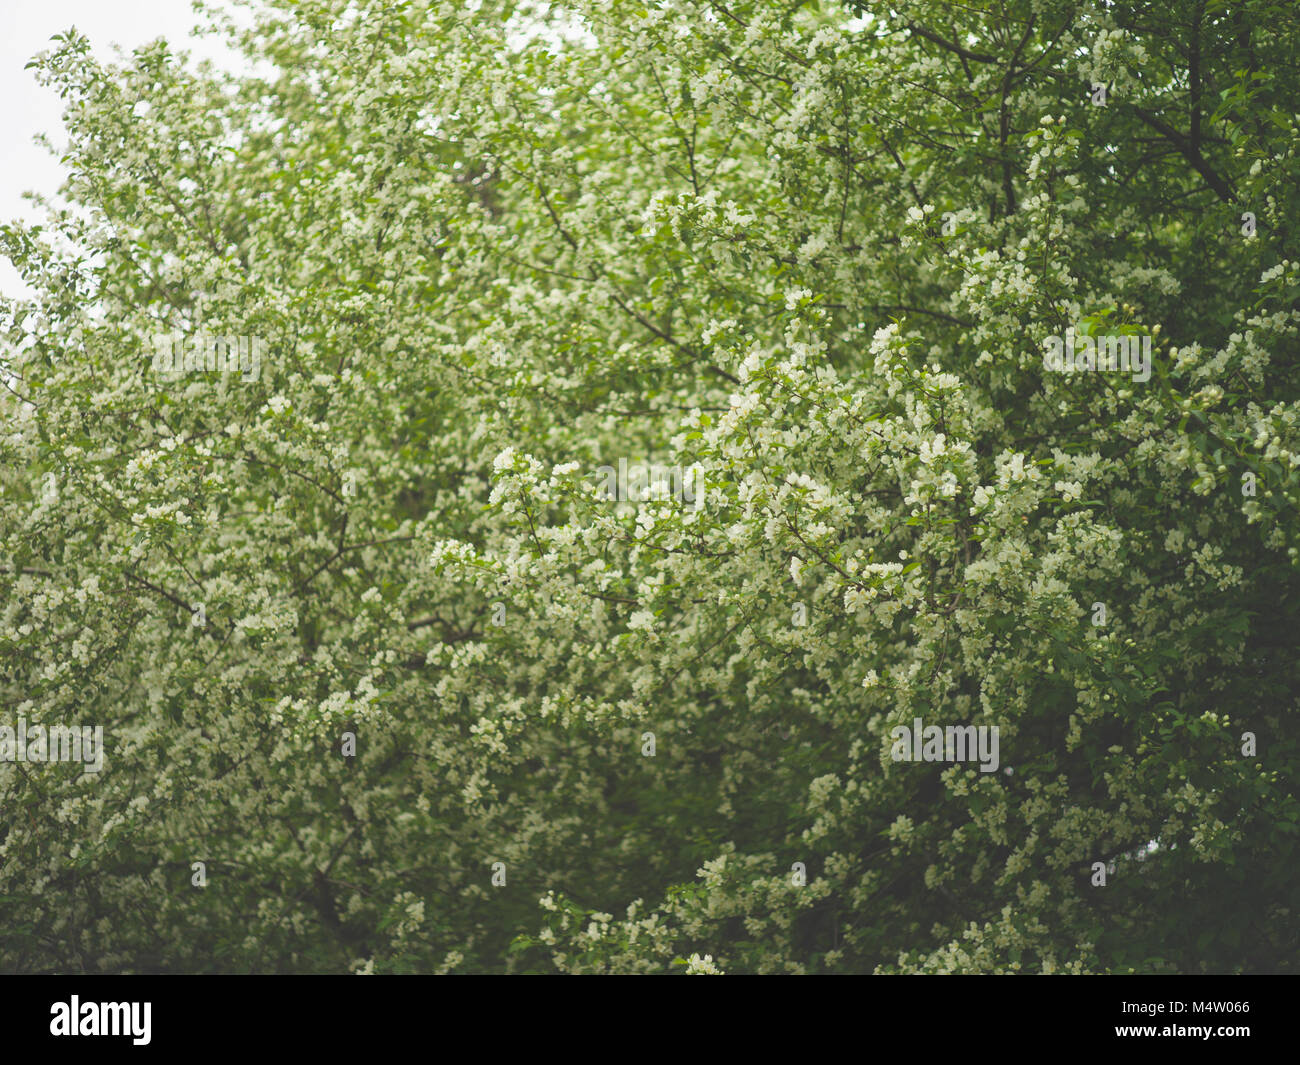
(26,27)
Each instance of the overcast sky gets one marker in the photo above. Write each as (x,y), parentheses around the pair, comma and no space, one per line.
(26,27)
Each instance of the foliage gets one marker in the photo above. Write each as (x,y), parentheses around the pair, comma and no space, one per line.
(813,250)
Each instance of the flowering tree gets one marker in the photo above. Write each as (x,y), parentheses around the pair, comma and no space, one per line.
(392,677)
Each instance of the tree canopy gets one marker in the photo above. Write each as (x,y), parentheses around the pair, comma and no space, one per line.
(369,639)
